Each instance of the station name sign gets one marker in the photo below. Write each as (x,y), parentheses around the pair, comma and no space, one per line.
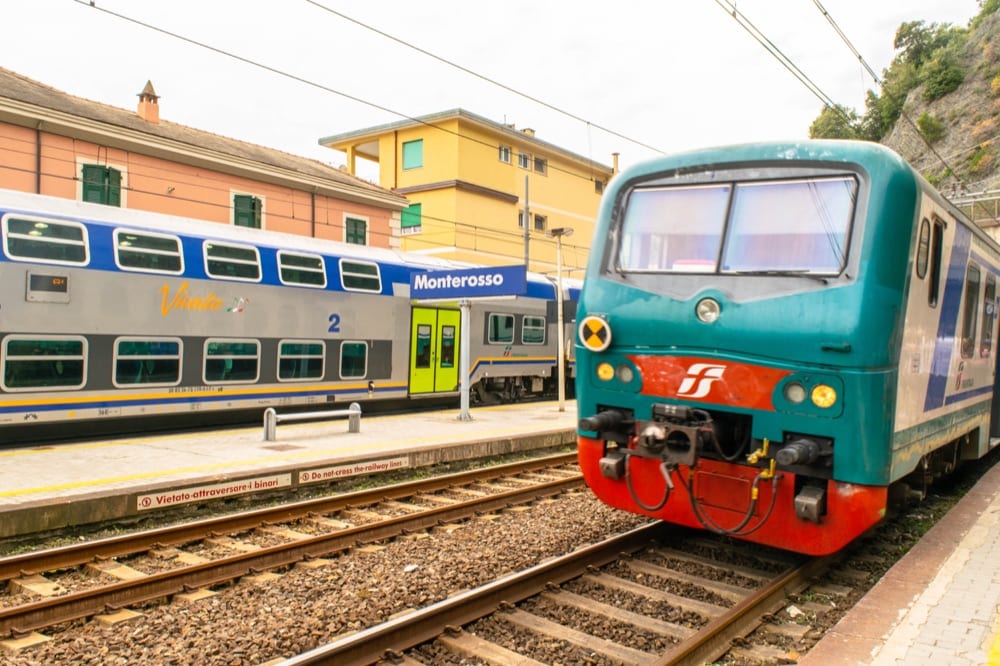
(470,282)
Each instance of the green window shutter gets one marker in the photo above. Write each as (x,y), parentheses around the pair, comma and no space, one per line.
(113,187)
(410,220)
(355,231)
(246,211)
(413,154)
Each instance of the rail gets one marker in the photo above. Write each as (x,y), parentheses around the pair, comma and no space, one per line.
(273,418)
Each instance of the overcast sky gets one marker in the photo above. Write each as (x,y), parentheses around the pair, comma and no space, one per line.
(669,74)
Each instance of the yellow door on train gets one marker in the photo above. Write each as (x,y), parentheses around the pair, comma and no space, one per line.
(434,340)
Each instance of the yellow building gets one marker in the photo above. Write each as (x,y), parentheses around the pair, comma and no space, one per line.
(469,181)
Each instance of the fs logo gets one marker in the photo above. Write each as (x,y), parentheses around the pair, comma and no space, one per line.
(698,381)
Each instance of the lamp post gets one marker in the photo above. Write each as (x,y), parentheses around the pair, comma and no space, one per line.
(558,234)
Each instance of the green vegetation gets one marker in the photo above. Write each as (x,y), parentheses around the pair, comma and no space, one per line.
(930,127)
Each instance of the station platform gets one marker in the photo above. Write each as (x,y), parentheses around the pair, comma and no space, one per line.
(939,604)
(53,486)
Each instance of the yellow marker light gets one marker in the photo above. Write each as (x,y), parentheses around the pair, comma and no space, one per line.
(795,392)
(605,372)
(824,396)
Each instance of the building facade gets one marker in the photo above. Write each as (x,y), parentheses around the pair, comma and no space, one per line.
(475,184)
(56,144)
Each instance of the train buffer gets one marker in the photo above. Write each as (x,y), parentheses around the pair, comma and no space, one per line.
(273,418)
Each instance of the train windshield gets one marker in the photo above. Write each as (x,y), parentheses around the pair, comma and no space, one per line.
(778,226)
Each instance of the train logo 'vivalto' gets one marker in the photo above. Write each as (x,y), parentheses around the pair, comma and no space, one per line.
(699,379)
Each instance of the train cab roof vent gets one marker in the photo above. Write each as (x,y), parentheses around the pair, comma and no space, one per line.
(149,104)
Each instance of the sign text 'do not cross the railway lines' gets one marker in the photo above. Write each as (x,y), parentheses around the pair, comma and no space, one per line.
(469,282)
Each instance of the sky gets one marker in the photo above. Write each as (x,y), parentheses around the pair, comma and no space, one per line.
(638,78)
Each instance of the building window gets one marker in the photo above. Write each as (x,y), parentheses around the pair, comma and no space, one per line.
(356,231)
(413,154)
(505,154)
(599,186)
(541,165)
(102,184)
(247,211)
(540,222)
(411,219)
(524,160)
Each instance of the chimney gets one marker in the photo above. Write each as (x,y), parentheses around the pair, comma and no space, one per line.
(149,104)
(614,162)
(529,131)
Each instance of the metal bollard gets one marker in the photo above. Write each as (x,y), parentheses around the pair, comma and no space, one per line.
(354,418)
(270,424)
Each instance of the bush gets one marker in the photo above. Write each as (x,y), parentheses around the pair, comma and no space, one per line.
(930,127)
(942,74)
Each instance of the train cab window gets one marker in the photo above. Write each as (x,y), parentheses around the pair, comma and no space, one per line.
(533,331)
(970,310)
(231,361)
(923,248)
(43,363)
(147,361)
(232,262)
(299,360)
(360,276)
(144,251)
(989,316)
(48,241)
(305,270)
(937,251)
(353,360)
(501,329)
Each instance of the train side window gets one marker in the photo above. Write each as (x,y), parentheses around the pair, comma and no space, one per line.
(147,361)
(231,361)
(501,329)
(300,360)
(533,331)
(353,360)
(156,253)
(989,316)
(360,276)
(232,262)
(923,248)
(970,310)
(305,270)
(48,241)
(43,363)
(937,251)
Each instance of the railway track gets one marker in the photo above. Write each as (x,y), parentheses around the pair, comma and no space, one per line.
(55,586)
(502,621)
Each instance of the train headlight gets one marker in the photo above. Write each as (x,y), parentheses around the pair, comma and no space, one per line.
(795,392)
(824,396)
(707,310)
(625,374)
(605,372)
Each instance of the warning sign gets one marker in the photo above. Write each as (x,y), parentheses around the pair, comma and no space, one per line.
(353,469)
(216,491)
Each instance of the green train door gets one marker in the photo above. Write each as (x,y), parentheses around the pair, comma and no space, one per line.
(434,337)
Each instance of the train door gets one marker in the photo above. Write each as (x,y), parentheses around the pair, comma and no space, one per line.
(434,336)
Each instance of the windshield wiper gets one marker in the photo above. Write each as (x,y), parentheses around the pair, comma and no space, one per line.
(800,272)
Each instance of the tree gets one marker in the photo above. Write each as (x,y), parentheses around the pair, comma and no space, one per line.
(835,123)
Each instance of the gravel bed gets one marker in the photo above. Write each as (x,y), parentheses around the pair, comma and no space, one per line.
(251,623)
